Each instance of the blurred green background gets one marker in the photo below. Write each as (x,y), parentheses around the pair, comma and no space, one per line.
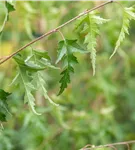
(94,110)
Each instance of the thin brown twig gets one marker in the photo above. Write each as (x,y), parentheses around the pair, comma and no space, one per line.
(118,4)
(128,146)
(113,147)
(61,35)
(109,145)
(54,30)
(4,57)
(86,146)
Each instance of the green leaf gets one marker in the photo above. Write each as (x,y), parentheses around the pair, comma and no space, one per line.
(89,25)
(24,79)
(41,54)
(42,59)
(3,105)
(65,53)
(65,78)
(28,95)
(26,82)
(40,82)
(29,74)
(128,15)
(29,63)
(62,49)
(79,24)
(72,46)
(9,7)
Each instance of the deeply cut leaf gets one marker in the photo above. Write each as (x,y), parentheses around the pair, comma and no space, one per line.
(65,78)
(26,82)
(29,65)
(89,26)
(72,45)
(128,15)
(39,77)
(65,53)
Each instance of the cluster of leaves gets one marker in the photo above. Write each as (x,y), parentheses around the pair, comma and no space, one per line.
(96,110)
(29,75)
(29,69)
(88,25)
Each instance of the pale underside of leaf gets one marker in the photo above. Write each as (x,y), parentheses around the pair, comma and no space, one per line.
(39,79)
(28,89)
(90,39)
(89,25)
(29,74)
(41,84)
(29,97)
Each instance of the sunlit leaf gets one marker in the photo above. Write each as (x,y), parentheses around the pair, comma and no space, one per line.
(128,14)
(89,25)
(40,81)
(28,74)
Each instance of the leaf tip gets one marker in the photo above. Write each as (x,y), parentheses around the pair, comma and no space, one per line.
(112,54)
(36,113)
(55,104)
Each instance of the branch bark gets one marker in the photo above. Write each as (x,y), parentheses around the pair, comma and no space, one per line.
(53,31)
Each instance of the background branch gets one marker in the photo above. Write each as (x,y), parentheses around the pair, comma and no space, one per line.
(92,147)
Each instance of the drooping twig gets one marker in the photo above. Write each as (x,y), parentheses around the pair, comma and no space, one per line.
(128,146)
(61,35)
(91,147)
(53,31)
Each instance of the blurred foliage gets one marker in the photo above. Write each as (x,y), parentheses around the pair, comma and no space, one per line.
(93,110)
